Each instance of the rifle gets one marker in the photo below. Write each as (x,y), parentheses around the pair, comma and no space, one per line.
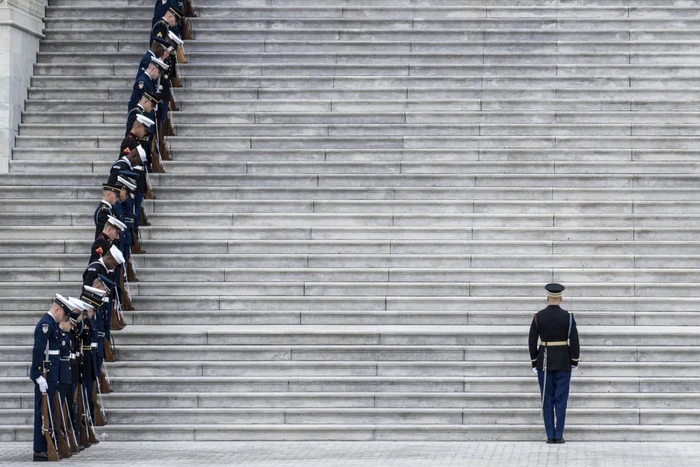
(104,381)
(100,416)
(130,270)
(64,447)
(47,418)
(109,354)
(162,145)
(73,441)
(155,157)
(136,247)
(189,9)
(180,51)
(82,419)
(126,300)
(90,426)
(186,28)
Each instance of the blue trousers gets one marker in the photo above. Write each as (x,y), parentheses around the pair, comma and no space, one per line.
(556,395)
(39,439)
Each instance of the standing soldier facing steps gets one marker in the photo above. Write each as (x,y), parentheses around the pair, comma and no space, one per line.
(556,356)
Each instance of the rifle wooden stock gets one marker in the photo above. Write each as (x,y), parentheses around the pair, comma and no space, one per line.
(114,322)
(136,247)
(144,218)
(175,81)
(109,353)
(100,416)
(130,272)
(189,9)
(120,317)
(72,440)
(105,387)
(46,428)
(83,425)
(186,29)
(60,428)
(169,130)
(90,427)
(181,57)
(125,299)
(156,162)
(164,155)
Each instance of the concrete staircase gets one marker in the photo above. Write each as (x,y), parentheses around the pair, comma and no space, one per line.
(365,202)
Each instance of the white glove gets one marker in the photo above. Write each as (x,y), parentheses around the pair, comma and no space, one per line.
(534,370)
(43,385)
(574,368)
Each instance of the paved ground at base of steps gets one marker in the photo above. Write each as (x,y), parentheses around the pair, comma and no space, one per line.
(371,454)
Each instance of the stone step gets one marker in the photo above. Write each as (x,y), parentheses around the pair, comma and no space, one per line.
(387,46)
(185,335)
(47,131)
(366,432)
(374,31)
(397,156)
(627,356)
(479,169)
(643,198)
(389,11)
(285,400)
(637,142)
(376,260)
(418,287)
(179,233)
(381,416)
(303,116)
(53,62)
(588,277)
(349,368)
(377,384)
(315,180)
(221,25)
(383,318)
(359,78)
(400,71)
(397,94)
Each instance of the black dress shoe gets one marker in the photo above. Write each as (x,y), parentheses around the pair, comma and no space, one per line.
(550,440)
(41,457)
(559,441)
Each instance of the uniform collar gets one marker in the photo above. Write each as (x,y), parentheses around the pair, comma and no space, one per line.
(107,203)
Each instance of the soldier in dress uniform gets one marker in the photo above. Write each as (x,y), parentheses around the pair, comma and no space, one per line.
(146,81)
(65,382)
(76,319)
(88,339)
(168,21)
(45,367)
(110,197)
(146,108)
(158,49)
(135,139)
(129,179)
(105,240)
(553,360)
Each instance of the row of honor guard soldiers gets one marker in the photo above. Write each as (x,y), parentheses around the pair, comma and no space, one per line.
(74,338)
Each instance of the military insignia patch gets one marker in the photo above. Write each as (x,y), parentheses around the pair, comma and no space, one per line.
(141,83)
(45,328)
(160,34)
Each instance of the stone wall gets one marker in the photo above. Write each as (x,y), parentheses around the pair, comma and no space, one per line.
(20,32)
